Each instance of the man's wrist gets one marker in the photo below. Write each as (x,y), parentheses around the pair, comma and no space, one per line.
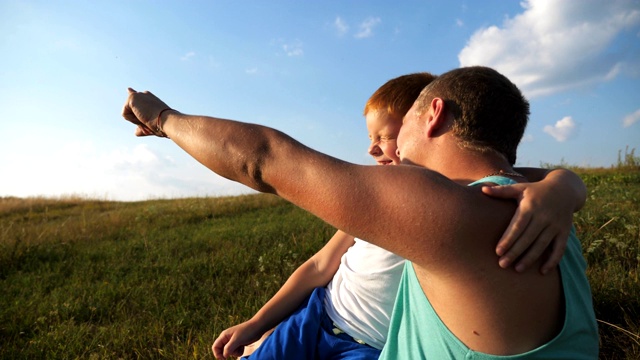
(162,117)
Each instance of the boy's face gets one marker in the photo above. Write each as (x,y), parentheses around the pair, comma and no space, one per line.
(383,132)
(410,144)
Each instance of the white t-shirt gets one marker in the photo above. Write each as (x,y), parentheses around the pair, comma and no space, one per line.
(360,297)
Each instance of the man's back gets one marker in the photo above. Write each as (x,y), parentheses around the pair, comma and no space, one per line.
(419,331)
(476,308)
(489,309)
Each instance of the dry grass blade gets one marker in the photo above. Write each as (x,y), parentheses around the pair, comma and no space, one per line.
(605,224)
(634,337)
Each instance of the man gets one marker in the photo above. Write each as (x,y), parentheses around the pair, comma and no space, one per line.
(465,126)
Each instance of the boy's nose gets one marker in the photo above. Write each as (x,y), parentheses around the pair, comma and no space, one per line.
(374,150)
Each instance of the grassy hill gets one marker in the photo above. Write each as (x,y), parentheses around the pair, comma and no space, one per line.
(157,279)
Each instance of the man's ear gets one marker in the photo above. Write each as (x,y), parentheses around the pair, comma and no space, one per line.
(438,117)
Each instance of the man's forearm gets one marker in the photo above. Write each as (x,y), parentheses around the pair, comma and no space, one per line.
(235,150)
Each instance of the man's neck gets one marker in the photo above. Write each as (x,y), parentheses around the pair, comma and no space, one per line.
(464,166)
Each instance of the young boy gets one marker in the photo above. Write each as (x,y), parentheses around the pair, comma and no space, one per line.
(348,289)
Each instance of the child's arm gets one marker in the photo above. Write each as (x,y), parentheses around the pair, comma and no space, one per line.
(544,216)
(315,272)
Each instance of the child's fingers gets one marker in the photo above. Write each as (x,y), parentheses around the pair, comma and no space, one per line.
(518,223)
(503,192)
(513,233)
(557,251)
(536,250)
(517,246)
(232,350)
(219,345)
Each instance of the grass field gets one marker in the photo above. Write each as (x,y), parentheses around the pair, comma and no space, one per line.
(160,279)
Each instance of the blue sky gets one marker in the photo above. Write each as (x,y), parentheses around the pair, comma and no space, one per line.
(303,67)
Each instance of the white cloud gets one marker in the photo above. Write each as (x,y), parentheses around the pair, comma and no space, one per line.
(631,119)
(366,28)
(139,156)
(290,48)
(80,168)
(294,49)
(563,130)
(188,56)
(340,26)
(251,71)
(556,45)
(459,23)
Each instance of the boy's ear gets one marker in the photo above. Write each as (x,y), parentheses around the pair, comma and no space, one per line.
(438,117)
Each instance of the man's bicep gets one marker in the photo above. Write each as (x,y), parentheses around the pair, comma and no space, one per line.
(350,197)
(411,211)
(404,209)
(465,226)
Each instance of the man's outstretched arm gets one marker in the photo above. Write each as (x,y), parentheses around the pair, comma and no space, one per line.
(424,211)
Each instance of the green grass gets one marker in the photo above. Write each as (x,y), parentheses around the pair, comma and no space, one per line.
(155,279)
(160,279)
(609,227)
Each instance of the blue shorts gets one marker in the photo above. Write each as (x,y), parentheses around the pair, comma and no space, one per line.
(308,334)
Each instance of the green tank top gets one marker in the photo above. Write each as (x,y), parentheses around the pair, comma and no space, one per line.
(416,331)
